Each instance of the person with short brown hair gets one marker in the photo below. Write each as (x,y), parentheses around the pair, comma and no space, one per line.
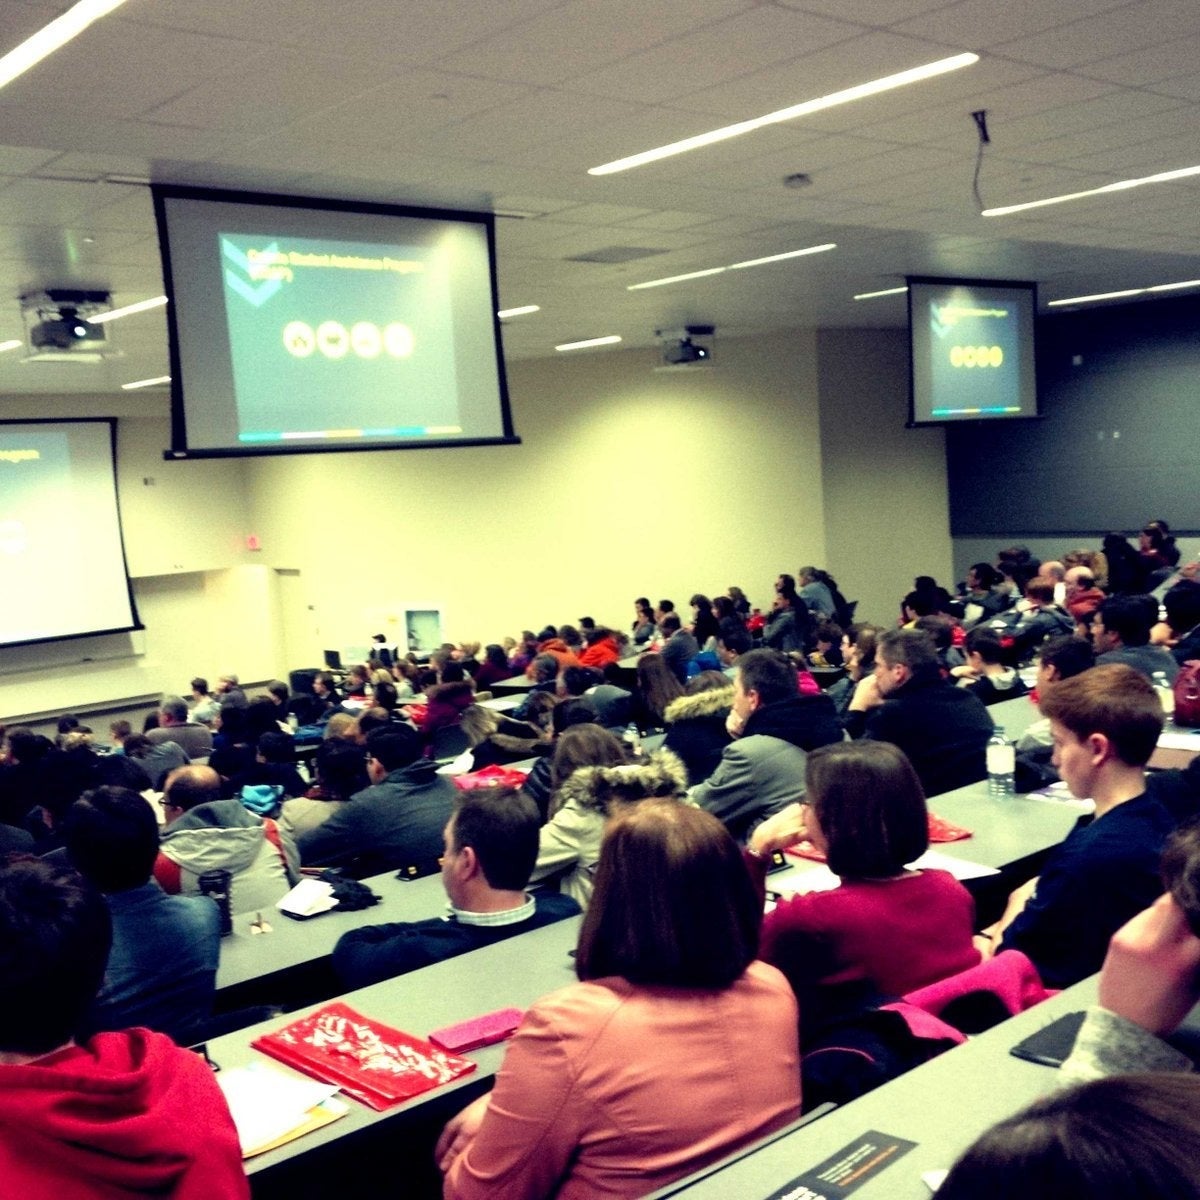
(887,929)
(1105,724)
(675,1047)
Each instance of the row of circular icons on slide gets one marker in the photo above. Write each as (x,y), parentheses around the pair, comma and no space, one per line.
(333,340)
(976,356)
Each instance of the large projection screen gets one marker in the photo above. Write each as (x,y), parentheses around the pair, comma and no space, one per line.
(302,324)
(62,559)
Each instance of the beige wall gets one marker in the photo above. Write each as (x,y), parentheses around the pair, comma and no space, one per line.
(886,514)
(628,481)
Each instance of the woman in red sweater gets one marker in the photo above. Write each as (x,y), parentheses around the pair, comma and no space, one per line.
(887,929)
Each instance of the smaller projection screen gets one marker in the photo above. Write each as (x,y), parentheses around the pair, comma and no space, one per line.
(299,325)
(972,350)
(62,560)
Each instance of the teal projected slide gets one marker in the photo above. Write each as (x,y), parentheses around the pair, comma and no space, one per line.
(332,339)
(975,359)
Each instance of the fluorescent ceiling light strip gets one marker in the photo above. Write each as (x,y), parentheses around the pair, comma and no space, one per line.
(1121,295)
(750,262)
(858,92)
(15,344)
(518,312)
(145,383)
(886,292)
(758,262)
(637,287)
(600,341)
(1122,185)
(53,36)
(128,310)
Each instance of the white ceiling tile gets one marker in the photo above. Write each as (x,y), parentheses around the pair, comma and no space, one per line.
(581,36)
(993,24)
(702,57)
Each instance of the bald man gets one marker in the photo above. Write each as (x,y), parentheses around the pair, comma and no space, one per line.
(205,833)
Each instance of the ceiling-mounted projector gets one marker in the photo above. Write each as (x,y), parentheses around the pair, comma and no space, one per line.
(683,351)
(66,331)
(59,324)
(687,347)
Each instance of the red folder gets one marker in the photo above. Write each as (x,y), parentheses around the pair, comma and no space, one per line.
(374,1063)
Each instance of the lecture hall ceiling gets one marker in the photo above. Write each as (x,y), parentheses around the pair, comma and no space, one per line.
(503,105)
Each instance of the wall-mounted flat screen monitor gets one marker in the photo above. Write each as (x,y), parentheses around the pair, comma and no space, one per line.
(971,344)
(62,560)
(299,325)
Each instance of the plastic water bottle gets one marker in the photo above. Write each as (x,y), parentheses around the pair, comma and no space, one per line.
(633,739)
(1166,693)
(1001,764)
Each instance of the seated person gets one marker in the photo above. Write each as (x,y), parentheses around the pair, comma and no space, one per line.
(1150,979)
(397,822)
(126,1114)
(542,779)
(943,729)
(491,845)
(1041,618)
(985,672)
(176,725)
(593,784)
(158,761)
(679,648)
(696,724)
(886,930)
(1121,634)
(1182,604)
(205,833)
(447,700)
(1131,1137)
(274,765)
(762,769)
(162,968)
(674,1049)
(1059,658)
(543,670)
(341,770)
(1105,725)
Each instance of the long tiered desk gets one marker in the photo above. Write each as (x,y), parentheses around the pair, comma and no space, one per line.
(291,963)
(942,1106)
(512,973)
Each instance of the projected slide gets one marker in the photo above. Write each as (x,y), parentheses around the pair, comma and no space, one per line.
(61,558)
(974,358)
(334,339)
(972,350)
(302,324)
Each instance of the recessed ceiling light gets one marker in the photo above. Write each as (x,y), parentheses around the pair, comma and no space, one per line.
(1122,185)
(858,92)
(1121,295)
(896,291)
(600,341)
(505,313)
(51,37)
(145,383)
(128,310)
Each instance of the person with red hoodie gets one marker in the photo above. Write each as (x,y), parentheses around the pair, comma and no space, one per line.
(125,1114)
(602,648)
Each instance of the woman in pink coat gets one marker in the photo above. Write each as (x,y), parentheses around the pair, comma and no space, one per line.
(674,1049)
